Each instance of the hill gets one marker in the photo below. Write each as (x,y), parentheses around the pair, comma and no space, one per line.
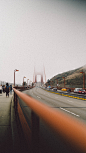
(73,78)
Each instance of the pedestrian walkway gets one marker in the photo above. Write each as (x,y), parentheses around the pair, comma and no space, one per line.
(11,135)
(6,144)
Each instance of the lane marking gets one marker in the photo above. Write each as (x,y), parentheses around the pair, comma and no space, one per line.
(78,115)
(39,97)
(69,112)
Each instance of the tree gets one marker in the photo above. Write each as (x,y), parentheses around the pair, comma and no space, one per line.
(48,81)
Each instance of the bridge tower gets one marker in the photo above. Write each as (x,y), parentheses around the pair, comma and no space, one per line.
(41,73)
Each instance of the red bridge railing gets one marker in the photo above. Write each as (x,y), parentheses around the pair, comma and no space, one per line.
(70,130)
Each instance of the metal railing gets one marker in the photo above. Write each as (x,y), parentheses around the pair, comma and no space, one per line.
(70,130)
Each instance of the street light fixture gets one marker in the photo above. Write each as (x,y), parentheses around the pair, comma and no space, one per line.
(23,80)
(14,76)
(64,81)
(83,79)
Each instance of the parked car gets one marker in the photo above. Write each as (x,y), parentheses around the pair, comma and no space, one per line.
(64,89)
(1,89)
(82,91)
(76,90)
(54,89)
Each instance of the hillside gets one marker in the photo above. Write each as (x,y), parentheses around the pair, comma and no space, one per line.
(73,78)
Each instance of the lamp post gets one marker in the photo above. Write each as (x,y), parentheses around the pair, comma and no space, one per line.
(23,80)
(14,76)
(45,78)
(57,83)
(83,79)
(30,81)
(51,83)
(64,81)
(27,83)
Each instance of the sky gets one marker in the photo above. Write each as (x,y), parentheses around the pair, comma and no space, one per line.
(37,33)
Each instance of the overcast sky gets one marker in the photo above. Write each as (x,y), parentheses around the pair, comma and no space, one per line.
(41,32)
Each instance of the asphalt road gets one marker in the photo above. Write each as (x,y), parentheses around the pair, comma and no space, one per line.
(73,107)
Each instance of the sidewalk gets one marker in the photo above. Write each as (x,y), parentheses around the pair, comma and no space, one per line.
(11,135)
(6,142)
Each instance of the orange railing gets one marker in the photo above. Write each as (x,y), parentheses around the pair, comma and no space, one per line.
(68,129)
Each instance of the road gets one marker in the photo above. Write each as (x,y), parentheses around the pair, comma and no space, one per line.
(73,107)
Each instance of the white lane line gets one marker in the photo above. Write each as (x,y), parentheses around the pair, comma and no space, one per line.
(77,115)
(70,101)
(39,97)
(69,112)
(73,113)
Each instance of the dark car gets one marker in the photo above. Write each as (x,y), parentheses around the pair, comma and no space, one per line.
(54,89)
(82,91)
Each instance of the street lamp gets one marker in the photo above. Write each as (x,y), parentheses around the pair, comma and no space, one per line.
(83,79)
(23,80)
(57,82)
(27,83)
(51,82)
(30,81)
(64,81)
(14,76)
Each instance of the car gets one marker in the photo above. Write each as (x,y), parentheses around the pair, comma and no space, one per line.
(63,89)
(49,87)
(76,90)
(82,91)
(1,89)
(54,89)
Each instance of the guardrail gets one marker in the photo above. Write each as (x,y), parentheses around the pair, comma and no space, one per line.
(69,130)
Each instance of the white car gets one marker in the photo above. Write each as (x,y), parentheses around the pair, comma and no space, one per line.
(76,90)
(1,89)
